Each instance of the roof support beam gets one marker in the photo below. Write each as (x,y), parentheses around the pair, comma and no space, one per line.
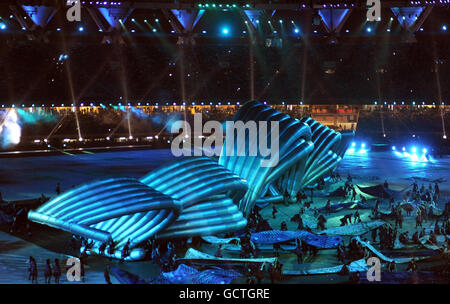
(183,22)
(334,18)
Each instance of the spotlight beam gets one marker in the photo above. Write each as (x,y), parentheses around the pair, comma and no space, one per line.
(130,136)
(56,127)
(70,82)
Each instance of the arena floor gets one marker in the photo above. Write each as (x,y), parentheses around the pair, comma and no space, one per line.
(29,177)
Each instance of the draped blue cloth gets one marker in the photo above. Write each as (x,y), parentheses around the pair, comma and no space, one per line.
(278,236)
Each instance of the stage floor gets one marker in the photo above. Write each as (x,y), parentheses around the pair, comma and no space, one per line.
(29,177)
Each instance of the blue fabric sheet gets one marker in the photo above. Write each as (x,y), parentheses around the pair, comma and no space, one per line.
(278,236)
(342,206)
(189,275)
(404,277)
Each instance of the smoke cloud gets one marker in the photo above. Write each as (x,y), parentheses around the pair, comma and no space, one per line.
(10,130)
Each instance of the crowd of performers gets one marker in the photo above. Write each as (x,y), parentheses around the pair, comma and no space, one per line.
(51,271)
(17,212)
(164,253)
(385,236)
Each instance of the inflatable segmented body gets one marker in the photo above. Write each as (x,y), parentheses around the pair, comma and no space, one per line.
(196,196)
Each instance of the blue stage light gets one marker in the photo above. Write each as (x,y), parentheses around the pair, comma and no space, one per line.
(225,31)
(363,145)
(444,27)
(369,29)
(393,148)
(415,157)
(81,29)
(353,144)
(2,26)
(296,31)
(403,149)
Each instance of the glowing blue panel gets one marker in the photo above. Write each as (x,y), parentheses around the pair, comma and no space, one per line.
(113,15)
(188,19)
(40,15)
(333,17)
(253,16)
(407,16)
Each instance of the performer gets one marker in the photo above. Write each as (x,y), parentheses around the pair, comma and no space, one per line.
(286,197)
(353,194)
(218,253)
(48,272)
(298,251)
(57,271)
(101,249)
(328,207)
(321,222)
(357,217)
(126,250)
(300,223)
(412,266)
(106,275)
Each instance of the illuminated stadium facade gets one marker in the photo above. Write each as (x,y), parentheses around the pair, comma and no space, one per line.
(142,57)
(197,196)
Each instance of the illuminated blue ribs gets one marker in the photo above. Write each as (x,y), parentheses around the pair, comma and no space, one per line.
(208,193)
(294,146)
(112,209)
